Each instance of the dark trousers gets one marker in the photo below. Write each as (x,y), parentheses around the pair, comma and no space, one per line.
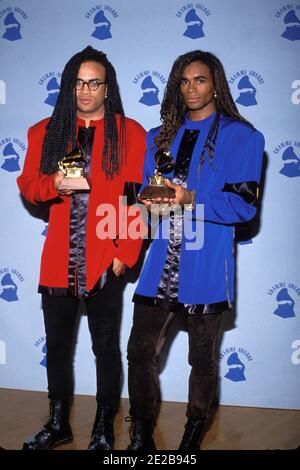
(150,326)
(61,325)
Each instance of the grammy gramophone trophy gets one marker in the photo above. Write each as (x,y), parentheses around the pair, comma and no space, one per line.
(157,188)
(72,165)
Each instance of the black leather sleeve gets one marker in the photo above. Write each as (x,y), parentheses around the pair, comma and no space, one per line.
(131,190)
(248,190)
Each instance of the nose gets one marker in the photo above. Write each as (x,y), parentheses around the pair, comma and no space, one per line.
(85,89)
(191,86)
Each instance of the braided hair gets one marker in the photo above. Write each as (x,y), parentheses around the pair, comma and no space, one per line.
(60,135)
(173,108)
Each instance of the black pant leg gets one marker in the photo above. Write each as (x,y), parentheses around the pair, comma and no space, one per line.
(60,318)
(147,337)
(104,317)
(203,335)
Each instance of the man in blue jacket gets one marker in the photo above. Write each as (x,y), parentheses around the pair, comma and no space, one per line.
(218,160)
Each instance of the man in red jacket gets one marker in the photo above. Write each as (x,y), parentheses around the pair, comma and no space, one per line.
(78,260)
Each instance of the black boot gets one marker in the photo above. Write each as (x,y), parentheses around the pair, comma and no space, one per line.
(141,435)
(56,431)
(191,436)
(103,430)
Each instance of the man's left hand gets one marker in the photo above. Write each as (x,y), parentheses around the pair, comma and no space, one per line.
(118,267)
(182,195)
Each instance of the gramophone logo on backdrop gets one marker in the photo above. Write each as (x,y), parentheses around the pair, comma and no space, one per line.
(289,152)
(101,14)
(192,15)
(9,284)
(235,361)
(11,19)
(45,231)
(285,297)
(50,82)
(41,342)
(246,242)
(290,17)
(149,83)
(11,149)
(246,83)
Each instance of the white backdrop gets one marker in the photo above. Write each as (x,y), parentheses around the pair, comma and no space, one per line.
(259,44)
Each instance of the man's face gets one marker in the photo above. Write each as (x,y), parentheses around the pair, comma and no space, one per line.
(90,104)
(197,89)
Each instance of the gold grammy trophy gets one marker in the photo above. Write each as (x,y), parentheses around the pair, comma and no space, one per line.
(157,188)
(72,165)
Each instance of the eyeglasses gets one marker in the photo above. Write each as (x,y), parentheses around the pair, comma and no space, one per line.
(93,84)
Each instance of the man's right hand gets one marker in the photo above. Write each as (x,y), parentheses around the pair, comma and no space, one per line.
(58,177)
(163,205)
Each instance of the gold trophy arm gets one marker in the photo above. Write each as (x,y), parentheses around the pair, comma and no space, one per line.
(61,167)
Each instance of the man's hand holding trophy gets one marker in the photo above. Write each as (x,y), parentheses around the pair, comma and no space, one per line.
(161,194)
(71,176)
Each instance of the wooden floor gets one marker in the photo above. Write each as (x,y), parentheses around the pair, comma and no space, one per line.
(22,413)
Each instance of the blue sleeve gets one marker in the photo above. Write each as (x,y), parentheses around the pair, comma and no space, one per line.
(229,205)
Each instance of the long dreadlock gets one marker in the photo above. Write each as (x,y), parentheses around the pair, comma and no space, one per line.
(60,136)
(173,108)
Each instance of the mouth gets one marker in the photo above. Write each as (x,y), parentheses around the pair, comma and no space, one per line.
(192,99)
(85,101)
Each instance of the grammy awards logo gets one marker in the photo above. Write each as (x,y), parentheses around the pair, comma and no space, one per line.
(41,343)
(192,14)
(290,21)
(286,297)
(234,363)
(11,150)
(9,284)
(289,153)
(12,18)
(45,231)
(246,242)
(50,83)
(149,83)
(102,15)
(246,83)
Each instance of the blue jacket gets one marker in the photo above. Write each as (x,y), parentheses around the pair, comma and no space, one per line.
(206,274)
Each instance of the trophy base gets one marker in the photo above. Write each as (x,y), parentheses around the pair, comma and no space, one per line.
(75,184)
(154,192)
